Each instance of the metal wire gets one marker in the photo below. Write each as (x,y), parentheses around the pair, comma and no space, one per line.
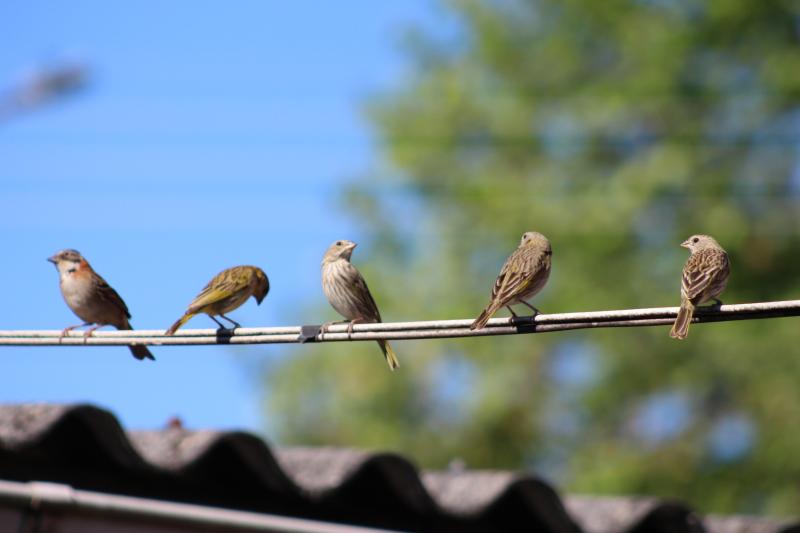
(432,329)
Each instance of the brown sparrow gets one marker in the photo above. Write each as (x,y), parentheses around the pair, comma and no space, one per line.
(91,298)
(523,275)
(704,277)
(347,292)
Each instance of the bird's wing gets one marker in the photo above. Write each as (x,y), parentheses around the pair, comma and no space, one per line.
(517,274)
(109,295)
(366,303)
(221,286)
(701,271)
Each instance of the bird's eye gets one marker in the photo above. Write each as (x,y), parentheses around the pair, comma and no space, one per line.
(338,243)
(696,240)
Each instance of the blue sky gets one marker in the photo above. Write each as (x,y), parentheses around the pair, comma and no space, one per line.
(210,135)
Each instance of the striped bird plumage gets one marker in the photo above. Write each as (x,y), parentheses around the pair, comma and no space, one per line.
(523,275)
(348,293)
(704,277)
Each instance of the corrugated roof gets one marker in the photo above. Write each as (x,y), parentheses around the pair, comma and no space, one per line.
(86,447)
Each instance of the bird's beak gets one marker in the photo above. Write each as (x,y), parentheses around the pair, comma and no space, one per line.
(685,243)
(352,246)
(52,259)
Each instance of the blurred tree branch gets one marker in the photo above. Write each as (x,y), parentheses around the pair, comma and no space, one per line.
(44,87)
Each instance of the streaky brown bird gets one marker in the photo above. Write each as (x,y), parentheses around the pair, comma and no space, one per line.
(704,277)
(347,292)
(522,276)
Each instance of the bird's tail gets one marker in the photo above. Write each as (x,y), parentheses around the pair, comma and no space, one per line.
(680,329)
(181,321)
(140,351)
(391,358)
(484,317)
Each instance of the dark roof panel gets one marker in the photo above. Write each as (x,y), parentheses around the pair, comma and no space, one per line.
(86,447)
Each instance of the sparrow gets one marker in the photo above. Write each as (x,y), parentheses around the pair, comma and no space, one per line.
(705,275)
(523,275)
(348,294)
(91,298)
(225,292)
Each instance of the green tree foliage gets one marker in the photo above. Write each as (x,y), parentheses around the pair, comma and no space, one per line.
(617,128)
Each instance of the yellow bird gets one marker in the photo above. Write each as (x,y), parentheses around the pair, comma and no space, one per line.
(523,275)
(225,292)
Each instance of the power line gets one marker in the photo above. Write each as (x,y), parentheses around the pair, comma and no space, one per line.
(433,329)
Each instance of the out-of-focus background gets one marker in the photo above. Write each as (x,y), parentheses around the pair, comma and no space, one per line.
(169,141)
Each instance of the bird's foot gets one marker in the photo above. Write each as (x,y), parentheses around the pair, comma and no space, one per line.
(222,330)
(89,332)
(233,322)
(65,331)
(350,326)
(717,303)
(515,318)
(326,326)
(532,308)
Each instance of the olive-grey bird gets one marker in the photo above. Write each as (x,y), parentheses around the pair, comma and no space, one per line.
(347,292)
(523,275)
(225,292)
(91,298)
(705,275)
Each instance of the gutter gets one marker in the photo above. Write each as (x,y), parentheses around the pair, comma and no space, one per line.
(38,496)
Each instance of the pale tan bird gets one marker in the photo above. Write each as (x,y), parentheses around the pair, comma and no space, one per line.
(523,275)
(705,276)
(347,292)
(91,298)
(225,292)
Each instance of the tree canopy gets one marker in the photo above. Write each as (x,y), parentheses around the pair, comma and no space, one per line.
(617,129)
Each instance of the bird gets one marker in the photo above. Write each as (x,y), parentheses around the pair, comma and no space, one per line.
(704,277)
(91,298)
(225,292)
(523,275)
(348,294)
